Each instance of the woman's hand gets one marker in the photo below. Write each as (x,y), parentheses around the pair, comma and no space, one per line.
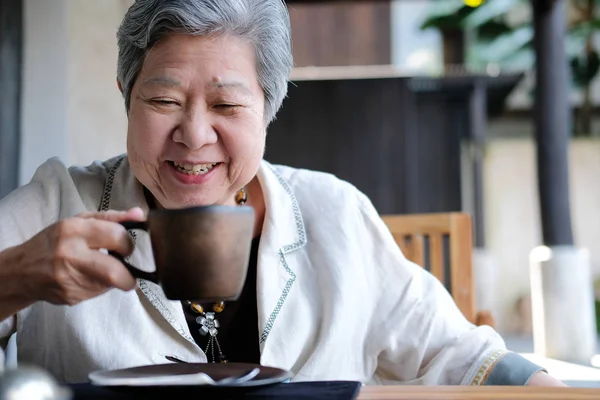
(62,264)
(543,379)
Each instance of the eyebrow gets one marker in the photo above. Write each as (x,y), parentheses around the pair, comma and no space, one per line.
(163,81)
(231,84)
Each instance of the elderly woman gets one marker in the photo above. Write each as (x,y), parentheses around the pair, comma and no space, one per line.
(328,295)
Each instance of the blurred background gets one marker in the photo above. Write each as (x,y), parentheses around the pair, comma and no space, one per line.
(425,105)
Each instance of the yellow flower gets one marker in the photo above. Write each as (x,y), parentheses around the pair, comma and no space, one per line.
(473,3)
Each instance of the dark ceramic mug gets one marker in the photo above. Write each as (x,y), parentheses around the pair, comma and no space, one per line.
(201,253)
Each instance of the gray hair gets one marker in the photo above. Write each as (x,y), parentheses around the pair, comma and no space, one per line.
(263,23)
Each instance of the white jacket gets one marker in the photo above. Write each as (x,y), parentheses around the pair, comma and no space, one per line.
(336,298)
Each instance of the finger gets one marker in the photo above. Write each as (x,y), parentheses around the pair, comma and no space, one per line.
(102,234)
(106,270)
(133,214)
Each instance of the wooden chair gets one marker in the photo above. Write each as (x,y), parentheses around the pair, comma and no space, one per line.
(442,243)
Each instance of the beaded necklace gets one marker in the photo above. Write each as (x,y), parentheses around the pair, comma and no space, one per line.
(207,320)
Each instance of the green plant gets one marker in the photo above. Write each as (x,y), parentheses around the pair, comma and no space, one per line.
(501,33)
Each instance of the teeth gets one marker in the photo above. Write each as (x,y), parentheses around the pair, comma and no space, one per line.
(199,169)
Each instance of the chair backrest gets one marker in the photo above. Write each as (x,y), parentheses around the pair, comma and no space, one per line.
(443,244)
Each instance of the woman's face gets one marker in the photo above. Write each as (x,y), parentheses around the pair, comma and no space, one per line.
(196,131)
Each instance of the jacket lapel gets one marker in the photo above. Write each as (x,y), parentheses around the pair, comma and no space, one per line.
(283,232)
(123,191)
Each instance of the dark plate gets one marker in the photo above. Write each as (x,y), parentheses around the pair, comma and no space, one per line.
(180,374)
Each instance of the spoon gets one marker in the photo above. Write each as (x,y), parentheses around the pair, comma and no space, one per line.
(241,378)
(246,376)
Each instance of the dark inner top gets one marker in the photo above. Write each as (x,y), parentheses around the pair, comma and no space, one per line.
(238,332)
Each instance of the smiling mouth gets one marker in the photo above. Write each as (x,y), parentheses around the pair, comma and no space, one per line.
(193,169)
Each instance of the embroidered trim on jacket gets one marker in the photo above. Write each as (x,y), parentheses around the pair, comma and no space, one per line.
(282,298)
(486,367)
(156,302)
(107,194)
(108,185)
(286,249)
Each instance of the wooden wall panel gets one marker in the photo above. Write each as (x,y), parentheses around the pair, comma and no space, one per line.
(341,33)
(400,147)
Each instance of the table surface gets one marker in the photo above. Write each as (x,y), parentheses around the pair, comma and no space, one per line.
(342,390)
(475,393)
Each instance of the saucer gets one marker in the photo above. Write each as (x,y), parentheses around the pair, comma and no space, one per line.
(188,374)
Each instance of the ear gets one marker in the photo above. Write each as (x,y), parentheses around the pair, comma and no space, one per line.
(119,86)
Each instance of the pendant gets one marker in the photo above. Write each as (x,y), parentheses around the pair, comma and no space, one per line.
(208,324)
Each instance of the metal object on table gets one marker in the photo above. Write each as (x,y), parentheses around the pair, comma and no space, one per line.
(31,383)
(245,376)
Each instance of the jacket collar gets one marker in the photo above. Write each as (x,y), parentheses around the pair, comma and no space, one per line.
(283,232)
(121,192)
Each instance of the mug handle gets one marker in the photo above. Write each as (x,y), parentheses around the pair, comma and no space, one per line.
(137,273)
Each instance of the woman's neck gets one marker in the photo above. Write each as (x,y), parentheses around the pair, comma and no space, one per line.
(256,200)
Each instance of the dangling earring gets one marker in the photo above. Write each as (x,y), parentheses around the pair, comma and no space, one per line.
(241,197)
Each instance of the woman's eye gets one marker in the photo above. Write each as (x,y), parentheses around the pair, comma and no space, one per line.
(164,102)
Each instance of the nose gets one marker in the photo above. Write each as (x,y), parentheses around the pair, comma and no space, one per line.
(195,131)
